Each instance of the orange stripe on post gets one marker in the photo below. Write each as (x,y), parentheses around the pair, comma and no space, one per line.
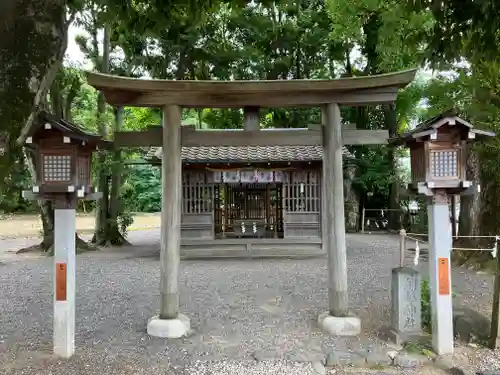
(61,282)
(444,276)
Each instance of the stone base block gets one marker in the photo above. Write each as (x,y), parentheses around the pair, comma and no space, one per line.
(401,338)
(339,326)
(169,328)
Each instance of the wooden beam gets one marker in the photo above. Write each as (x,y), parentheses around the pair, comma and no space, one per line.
(196,99)
(251,119)
(119,84)
(275,137)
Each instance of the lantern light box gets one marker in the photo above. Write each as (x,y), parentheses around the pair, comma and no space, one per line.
(438,153)
(63,154)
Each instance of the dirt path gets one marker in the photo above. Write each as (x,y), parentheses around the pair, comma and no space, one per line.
(19,226)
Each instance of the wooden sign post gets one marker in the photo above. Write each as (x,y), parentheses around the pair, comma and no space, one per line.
(440,241)
(495,314)
(64,282)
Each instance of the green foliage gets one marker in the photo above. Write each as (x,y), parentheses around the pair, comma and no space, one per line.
(141,191)
(425,302)
(375,173)
(423,347)
(465,28)
(11,200)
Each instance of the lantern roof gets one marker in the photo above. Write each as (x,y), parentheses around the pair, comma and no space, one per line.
(431,126)
(69,129)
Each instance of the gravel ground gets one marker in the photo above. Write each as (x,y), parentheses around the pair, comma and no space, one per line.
(236,307)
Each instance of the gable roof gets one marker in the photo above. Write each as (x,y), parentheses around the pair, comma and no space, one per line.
(65,127)
(431,125)
(248,154)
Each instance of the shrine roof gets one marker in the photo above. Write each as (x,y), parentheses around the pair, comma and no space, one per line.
(427,127)
(249,154)
(375,89)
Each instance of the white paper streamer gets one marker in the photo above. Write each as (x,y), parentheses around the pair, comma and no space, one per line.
(417,254)
(495,247)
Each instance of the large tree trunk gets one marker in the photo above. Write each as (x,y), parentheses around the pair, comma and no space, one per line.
(114,200)
(102,205)
(107,231)
(470,213)
(394,214)
(470,205)
(33,42)
(351,203)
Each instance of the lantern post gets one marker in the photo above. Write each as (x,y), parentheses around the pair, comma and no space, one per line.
(63,155)
(438,152)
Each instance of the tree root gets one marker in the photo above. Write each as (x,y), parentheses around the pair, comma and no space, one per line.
(112,238)
(47,246)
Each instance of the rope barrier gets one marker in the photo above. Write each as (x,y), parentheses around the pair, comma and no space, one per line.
(469,249)
(416,257)
(416,239)
(423,234)
(475,236)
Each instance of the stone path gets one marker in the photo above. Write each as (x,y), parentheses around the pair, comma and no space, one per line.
(240,310)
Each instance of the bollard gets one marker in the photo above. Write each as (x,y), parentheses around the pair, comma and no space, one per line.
(363,221)
(494,341)
(402,247)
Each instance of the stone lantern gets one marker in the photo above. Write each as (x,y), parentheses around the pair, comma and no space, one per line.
(63,156)
(439,151)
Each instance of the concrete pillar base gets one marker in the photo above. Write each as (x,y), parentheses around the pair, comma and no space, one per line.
(339,326)
(169,328)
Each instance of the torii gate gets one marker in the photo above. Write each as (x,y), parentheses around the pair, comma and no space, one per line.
(327,94)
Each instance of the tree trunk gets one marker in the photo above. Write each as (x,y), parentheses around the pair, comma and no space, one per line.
(470,206)
(100,236)
(107,230)
(351,199)
(470,213)
(394,214)
(33,42)
(116,171)
(114,235)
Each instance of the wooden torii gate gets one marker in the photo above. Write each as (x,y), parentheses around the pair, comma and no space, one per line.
(250,95)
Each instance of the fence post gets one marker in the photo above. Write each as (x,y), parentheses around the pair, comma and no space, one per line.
(402,247)
(495,315)
(363,221)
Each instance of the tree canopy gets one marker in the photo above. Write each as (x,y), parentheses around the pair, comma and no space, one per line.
(253,40)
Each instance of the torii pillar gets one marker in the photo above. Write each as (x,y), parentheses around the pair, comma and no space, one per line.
(337,320)
(170,323)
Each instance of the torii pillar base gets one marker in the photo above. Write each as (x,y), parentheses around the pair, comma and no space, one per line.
(339,326)
(169,328)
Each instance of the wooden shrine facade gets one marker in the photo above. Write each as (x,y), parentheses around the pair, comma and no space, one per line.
(237,200)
